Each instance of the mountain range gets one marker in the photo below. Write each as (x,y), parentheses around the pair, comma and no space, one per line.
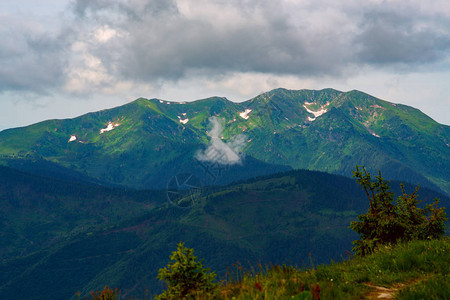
(147,142)
(103,199)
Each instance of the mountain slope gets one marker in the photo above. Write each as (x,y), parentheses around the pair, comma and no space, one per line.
(38,212)
(404,271)
(121,238)
(145,143)
(355,129)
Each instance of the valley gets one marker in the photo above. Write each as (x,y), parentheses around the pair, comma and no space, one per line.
(88,235)
(105,197)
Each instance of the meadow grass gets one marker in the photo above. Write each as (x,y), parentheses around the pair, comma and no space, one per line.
(434,287)
(408,271)
(418,270)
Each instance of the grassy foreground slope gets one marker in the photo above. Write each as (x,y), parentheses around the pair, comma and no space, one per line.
(413,270)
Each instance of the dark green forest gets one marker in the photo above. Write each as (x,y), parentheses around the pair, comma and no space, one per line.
(81,237)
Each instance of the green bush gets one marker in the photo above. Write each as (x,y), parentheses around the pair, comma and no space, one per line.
(186,277)
(387,222)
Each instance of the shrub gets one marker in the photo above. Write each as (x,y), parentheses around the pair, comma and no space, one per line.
(387,222)
(106,294)
(186,277)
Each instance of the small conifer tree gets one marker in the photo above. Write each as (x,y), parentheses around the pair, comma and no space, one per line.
(186,277)
(387,222)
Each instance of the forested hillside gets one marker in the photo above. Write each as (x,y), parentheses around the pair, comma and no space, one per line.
(82,237)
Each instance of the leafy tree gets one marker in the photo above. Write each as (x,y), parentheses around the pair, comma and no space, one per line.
(387,222)
(186,277)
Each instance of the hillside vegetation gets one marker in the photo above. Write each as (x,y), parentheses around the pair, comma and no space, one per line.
(417,269)
(96,236)
(412,270)
(145,143)
(399,242)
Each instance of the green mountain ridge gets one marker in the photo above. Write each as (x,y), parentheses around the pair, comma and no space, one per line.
(326,130)
(77,213)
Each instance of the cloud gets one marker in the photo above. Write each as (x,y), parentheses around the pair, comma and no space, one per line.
(219,151)
(170,40)
(108,45)
(401,36)
(31,58)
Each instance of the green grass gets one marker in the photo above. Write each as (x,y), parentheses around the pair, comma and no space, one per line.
(434,287)
(418,270)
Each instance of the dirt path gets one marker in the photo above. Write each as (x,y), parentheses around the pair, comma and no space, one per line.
(379,292)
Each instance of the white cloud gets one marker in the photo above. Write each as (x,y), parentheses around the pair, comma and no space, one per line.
(221,152)
(104,34)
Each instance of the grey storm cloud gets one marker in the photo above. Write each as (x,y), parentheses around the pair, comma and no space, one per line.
(151,40)
(31,59)
(132,8)
(160,40)
(402,37)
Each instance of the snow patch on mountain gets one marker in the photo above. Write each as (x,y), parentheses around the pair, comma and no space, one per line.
(110,126)
(245,114)
(317,113)
(183,121)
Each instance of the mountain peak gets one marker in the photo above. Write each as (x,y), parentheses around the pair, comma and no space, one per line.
(145,141)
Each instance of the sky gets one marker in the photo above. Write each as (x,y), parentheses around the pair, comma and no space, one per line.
(63,58)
